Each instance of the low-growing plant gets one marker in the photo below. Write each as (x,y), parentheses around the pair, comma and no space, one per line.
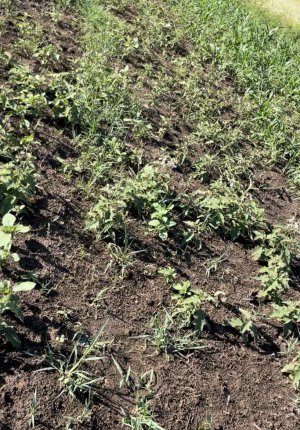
(293,370)
(274,278)
(142,419)
(205,167)
(187,308)
(290,345)
(211,264)
(245,325)
(289,314)
(148,188)
(107,217)
(280,241)
(138,194)
(121,257)
(25,98)
(62,4)
(229,210)
(275,250)
(73,377)
(206,423)
(63,99)
(191,235)
(33,409)
(160,220)
(169,273)
(17,184)
(9,302)
(29,36)
(8,230)
(47,53)
(168,338)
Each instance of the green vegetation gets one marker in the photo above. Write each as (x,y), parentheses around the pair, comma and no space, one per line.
(9,302)
(176,112)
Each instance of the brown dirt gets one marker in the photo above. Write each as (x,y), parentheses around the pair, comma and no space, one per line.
(240,386)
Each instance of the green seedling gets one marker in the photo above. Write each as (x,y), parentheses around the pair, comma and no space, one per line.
(212,264)
(160,221)
(147,189)
(33,409)
(17,184)
(8,230)
(142,419)
(46,54)
(290,346)
(169,273)
(232,213)
(293,370)
(9,302)
(188,303)
(121,256)
(206,423)
(245,325)
(168,338)
(276,250)
(289,314)
(133,381)
(107,217)
(73,377)
(274,278)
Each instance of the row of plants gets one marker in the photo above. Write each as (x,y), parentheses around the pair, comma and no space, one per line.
(25,99)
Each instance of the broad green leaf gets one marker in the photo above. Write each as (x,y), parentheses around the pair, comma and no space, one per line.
(22,228)
(154,223)
(296,377)
(5,239)
(24,286)
(15,257)
(257,253)
(8,220)
(201,320)
(11,336)
(235,322)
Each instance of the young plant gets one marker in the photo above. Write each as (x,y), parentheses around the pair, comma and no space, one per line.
(275,250)
(17,184)
(168,338)
(289,314)
(121,256)
(206,423)
(83,418)
(212,264)
(9,302)
(274,278)
(33,409)
(229,210)
(188,303)
(293,370)
(137,194)
(8,230)
(73,378)
(245,325)
(107,217)
(142,419)
(160,221)
(147,189)
(169,273)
